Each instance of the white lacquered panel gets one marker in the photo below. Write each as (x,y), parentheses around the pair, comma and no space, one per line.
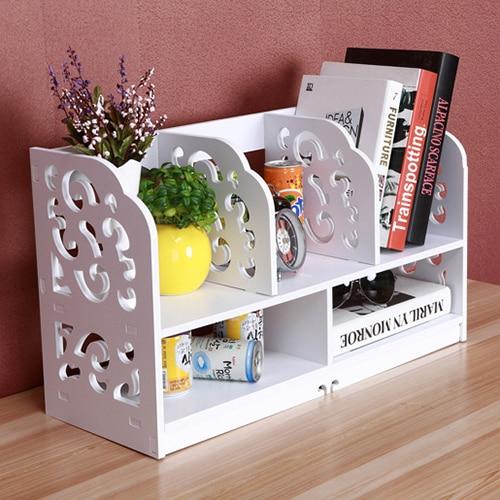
(98,288)
(449,206)
(395,350)
(278,368)
(245,133)
(243,238)
(212,408)
(341,196)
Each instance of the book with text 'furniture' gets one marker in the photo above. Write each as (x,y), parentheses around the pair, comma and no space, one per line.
(445,66)
(323,96)
(412,124)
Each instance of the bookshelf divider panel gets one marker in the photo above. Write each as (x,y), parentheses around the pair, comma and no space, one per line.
(243,238)
(340,187)
(300,327)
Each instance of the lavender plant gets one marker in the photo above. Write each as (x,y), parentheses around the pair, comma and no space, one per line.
(115,127)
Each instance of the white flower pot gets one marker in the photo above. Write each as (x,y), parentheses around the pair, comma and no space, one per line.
(129,175)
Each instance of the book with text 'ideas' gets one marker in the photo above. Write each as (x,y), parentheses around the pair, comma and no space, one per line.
(370,104)
(417,95)
(445,66)
(360,322)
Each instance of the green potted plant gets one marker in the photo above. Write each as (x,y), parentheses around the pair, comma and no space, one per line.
(117,128)
(184,208)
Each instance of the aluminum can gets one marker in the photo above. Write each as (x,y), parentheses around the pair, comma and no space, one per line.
(245,327)
(176,364)
(284,177)
(227,359)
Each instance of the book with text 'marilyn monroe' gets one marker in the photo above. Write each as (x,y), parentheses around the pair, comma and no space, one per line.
(445,65)
(360,322)
(412,122)
(326,96)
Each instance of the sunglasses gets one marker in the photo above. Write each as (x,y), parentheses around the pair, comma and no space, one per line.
(379,290)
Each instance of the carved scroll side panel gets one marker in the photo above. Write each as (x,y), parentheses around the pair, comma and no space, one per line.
(448,215)
(340,193)
(243,237)
(445,269)
(98,289)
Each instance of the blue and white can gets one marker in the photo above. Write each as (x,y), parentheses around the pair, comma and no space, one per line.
(226,359)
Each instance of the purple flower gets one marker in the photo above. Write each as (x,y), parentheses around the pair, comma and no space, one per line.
(100,125)
(54,84)
(123,73)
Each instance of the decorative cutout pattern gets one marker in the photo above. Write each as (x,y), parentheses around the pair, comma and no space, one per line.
(431,269)
(90,257)
(87,358)
(331,170)
(78,230)
(243,236)
(340,195)
(94,242)
(307,148)
(230,230)
(62,331)
(438,211)
(409,269)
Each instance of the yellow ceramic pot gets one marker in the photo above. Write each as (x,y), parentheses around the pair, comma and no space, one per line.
(184,256)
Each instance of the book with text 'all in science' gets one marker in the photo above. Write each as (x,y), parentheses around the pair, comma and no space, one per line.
(331,96)
(418,91)
(445,66)
(360,322)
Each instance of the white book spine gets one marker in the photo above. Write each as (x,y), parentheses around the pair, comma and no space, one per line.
(363,330)
(386,135)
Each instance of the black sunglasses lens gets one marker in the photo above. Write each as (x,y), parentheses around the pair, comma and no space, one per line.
(340,294)
(381,289)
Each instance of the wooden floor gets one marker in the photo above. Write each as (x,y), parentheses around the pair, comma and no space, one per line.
(429,429)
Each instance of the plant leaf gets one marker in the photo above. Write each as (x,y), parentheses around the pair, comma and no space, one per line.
(95,95)
(84,149)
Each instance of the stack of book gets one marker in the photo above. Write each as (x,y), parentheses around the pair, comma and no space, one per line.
(395,105)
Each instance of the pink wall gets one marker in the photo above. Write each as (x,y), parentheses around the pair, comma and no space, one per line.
(217,58)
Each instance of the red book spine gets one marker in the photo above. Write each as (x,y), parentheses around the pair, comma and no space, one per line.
(412,161)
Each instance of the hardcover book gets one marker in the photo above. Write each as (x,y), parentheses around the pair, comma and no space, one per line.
(324,96)
(445,65)
(418,90)
(351,120)
(360,322)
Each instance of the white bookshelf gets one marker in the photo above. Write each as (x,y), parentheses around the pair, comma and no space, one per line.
(105,392)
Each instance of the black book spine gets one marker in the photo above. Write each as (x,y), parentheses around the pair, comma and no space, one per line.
(445,65)
(432,154)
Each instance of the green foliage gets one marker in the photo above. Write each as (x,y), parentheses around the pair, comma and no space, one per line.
(180,196)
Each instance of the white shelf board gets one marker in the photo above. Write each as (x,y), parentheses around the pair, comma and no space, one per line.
(207,394)
(433,245)
(213,302)
(320,272)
